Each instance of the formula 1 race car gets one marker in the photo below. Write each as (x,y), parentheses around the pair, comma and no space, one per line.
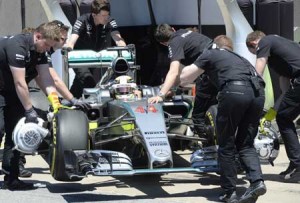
(122,134)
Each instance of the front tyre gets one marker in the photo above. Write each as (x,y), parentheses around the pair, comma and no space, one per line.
(70,132)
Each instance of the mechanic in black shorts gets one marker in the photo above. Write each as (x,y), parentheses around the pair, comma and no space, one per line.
(184,48)
(16,53)
(239,86)
(283,56)
(93,31)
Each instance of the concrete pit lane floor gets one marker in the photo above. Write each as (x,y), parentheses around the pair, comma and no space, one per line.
(168,188)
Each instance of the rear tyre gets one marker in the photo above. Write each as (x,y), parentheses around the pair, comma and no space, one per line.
(70,131)
(210,120)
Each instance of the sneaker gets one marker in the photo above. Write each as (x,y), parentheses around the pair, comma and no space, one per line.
(253,192)
(290,173)
(229,197)
(17,185)
(24,173)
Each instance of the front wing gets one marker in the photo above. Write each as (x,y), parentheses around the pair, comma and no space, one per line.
(80,163)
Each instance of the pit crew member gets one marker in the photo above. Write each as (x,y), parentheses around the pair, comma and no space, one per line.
(93,31)
(282,55)
(239,86)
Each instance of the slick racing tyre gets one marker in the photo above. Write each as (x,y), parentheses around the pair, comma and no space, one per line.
(210,120)
(70,132)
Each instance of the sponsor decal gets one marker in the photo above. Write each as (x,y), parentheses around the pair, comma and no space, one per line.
(103,160)
(161,153)
(158,143)
(154,132)
(151,138)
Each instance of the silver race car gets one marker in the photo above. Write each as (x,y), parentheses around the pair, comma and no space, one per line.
(122,134)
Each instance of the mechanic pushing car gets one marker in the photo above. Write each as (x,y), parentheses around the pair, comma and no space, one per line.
(236,129)
(16,54)
(184,48)
(282,55)
(93,31)
(31,73)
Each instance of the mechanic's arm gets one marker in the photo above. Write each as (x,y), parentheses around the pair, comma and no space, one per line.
(46,81)
(284,84)
(260,65)
(118,39)
(171,79)
(47,84)
(59,84)
(189,74)
(21,86)
(72,41)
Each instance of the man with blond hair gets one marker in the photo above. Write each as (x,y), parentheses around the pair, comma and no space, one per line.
(16,54)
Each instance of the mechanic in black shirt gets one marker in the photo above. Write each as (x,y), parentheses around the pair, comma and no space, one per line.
(31,73)
(93,31)
(61,87)
(282,55)
(184,48)
(16,53)
(240,104)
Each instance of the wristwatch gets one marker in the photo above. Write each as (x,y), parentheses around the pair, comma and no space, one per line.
(160,94)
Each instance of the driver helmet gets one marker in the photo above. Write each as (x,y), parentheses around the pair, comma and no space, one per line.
(124,92)
(124,88)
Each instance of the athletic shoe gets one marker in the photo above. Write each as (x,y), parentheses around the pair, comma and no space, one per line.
(229,197)
(253,192)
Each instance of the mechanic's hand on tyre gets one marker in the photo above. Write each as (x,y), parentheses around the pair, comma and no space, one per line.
(54,101)
(80,104)
(268,117)
(31,116)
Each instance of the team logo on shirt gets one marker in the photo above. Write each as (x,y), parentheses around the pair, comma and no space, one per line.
(20,57)
(88,27)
